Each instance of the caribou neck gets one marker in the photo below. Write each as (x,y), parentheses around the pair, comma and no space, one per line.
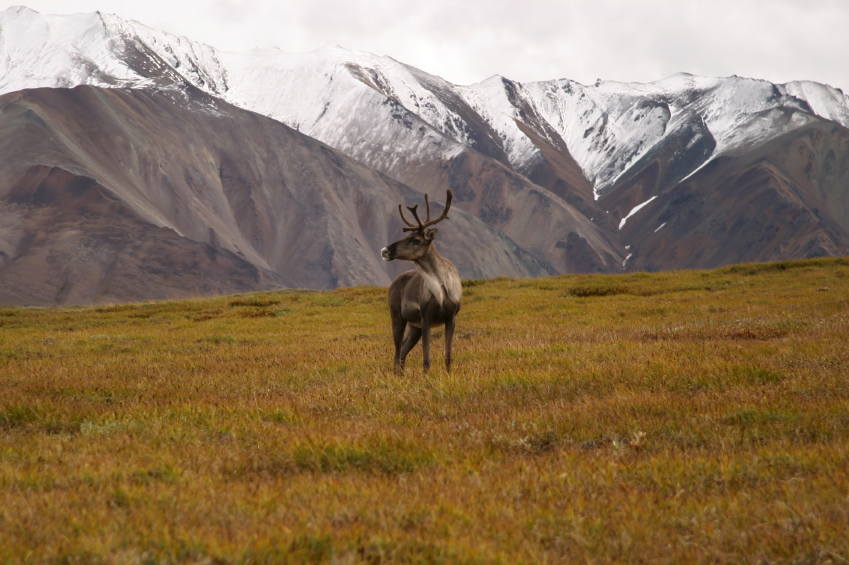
(430,263)
(439,275)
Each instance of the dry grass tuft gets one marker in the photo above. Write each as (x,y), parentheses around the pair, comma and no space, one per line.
(606,290)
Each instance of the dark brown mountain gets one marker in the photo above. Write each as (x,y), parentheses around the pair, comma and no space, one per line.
(788,199)
(67,240)
(112,195)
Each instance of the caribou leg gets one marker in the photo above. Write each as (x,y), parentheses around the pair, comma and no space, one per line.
(413,335)
(426,343)
(398,327)
(449,336)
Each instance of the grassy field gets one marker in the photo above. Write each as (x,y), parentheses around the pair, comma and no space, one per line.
(694,416)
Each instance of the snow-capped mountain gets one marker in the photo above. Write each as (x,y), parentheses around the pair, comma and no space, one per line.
(301,90)
(571,173)
(606,126)
(106,51)
(611,125)
(351,101)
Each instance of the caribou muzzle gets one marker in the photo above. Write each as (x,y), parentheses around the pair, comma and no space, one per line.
(387,253)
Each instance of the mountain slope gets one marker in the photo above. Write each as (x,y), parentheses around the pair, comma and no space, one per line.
(576,175)
(787,199)
(278,204)
(351,101)
(65,239)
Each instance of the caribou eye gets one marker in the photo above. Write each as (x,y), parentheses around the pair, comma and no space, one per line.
(417,241)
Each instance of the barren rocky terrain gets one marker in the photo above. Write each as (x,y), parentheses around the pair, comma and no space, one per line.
(112,195)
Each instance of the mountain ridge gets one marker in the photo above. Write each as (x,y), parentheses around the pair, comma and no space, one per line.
(576,176)
(236,183)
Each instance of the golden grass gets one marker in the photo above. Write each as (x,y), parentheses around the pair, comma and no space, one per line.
(698,416)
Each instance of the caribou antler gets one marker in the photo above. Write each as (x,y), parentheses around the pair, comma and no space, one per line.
(428,222)
(401,210)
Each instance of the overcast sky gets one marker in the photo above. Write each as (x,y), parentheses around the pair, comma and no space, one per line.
(466,41)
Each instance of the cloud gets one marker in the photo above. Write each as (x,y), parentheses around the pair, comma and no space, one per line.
(466,41)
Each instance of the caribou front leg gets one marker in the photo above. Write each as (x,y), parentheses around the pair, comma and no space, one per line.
(426,343)
(413,335)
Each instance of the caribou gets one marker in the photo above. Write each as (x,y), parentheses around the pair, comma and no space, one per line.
(426,297)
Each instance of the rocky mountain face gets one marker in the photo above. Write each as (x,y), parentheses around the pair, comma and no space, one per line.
(785,199)
(290,166)
(114,194)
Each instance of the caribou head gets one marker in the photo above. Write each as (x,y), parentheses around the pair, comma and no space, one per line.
(416,245)
(426,297)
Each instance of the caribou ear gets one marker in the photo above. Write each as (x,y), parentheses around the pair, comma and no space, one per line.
(430,234)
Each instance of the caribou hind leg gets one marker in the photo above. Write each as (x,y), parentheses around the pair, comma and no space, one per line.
(425,343)
(413,335)
(449,336)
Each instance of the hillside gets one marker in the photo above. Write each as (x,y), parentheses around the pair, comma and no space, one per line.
(111,195)
(690,416)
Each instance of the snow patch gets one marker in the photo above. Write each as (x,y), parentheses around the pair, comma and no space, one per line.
(634,210)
